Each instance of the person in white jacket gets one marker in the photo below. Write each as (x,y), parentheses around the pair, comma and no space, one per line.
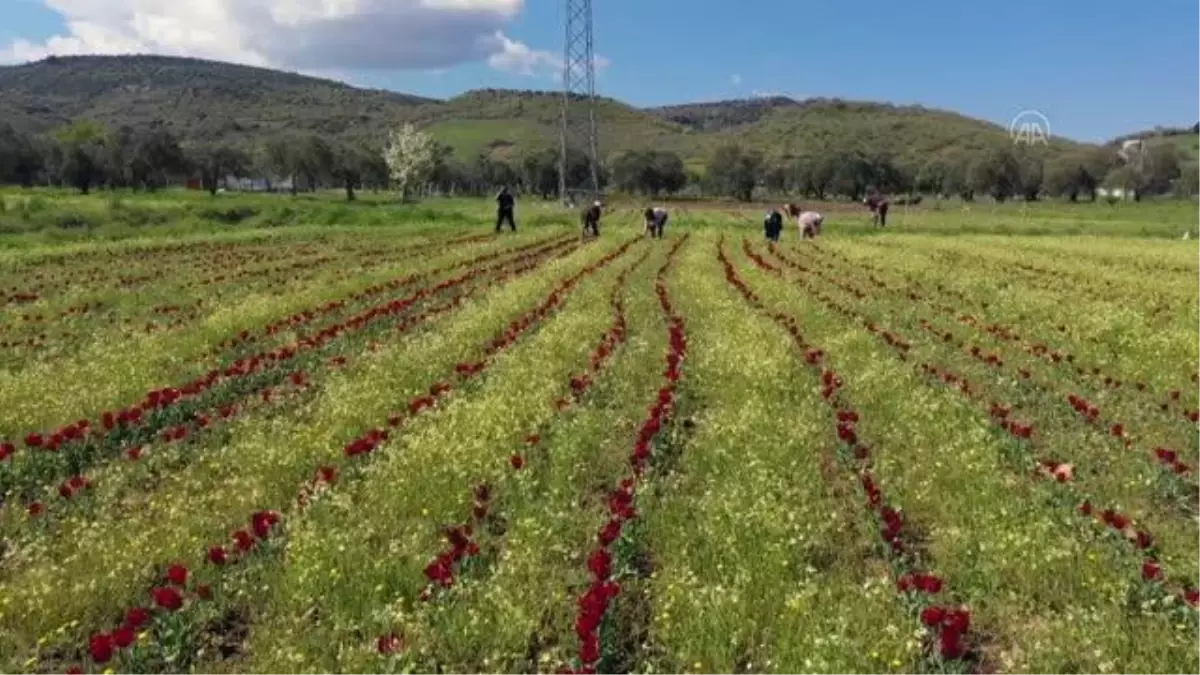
(810,222)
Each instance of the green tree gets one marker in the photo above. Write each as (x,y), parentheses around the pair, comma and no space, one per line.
(314,160)
(1122,177)
(215,161)
(349,166)
(540,173)
(853,174)
(1188,184)
(20,158)
(1030,173)
(155,155)
(997,173)
(815,174)
(495,173)
(278,159)
(735,172)
(931,177)
(957,173)
(1159,169)
(672,176)
(84,154)
(649,172)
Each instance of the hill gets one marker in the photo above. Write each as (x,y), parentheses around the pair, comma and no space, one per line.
(194,98)
(721,115)
(1186,140)
(212,100)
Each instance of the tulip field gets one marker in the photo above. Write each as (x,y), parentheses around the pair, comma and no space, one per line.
(439,449)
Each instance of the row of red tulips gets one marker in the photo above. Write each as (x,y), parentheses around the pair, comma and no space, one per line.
(1000,415)
(159,400)
(268,390)
(948,623)
(442,570)
(264,523)
(595,601)
(1059,357)
(1089,414)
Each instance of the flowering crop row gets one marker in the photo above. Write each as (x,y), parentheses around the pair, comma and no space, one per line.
(594,602)
(270,390)
(1123,482)
(1059,357)
(442,569)
(476,460)
(947,621)
(1087,412)
(1002,416)
(99,308)
(75,446)
(1014,553)
(246,541)
(146,361)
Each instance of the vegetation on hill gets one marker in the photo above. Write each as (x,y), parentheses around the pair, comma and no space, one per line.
(197,99)
(150,121)
(720,115)
(192,98)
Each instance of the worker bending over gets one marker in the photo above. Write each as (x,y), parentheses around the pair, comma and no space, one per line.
(810,222)
(656,221)
(879,208)
(591,220)
(773,225)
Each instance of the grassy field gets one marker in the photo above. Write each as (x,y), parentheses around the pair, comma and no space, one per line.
(305,436)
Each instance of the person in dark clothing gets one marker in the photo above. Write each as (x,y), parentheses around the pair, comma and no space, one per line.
(773,225)
(656,220)
(591,220)
(879,209)
(505,202)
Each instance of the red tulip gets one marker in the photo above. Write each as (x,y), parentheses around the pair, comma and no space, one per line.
(101,647)
(932,616)
(600,564)
(517,461)
(123,637)
(389,644)
(1151,570)
(178,575)
(167,597)
(137,617)
(244,540)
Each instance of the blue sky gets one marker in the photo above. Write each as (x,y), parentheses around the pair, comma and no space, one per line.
(1094,69)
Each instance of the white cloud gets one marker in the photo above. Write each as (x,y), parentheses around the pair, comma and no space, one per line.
(518,58)
(304,35)
(771,93)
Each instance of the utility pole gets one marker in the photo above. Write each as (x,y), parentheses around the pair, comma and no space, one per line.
(578,111)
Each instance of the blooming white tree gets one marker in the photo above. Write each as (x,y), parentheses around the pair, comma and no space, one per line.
(410,156)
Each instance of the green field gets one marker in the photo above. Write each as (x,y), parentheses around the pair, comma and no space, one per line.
(275,434)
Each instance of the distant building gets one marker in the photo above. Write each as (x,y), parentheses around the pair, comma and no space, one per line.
(251,184)
(1115,193)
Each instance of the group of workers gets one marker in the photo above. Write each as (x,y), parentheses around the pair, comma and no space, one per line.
(655,219)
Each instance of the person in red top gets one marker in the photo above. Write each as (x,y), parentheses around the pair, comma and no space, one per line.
(879,208)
